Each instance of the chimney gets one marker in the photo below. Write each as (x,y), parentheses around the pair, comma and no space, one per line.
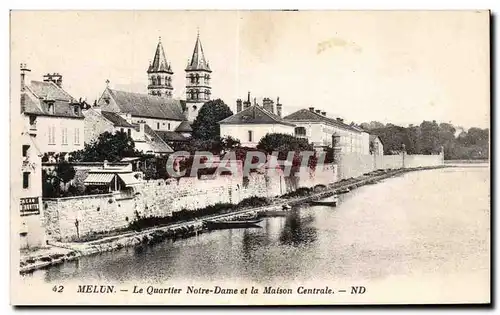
(311,109)
(279,107)
(141,130)
(239,105)
(340,119)
(318,111)
(255,101)
(24,69)
(247,103)
(54,77)
(323,113)
(268,104)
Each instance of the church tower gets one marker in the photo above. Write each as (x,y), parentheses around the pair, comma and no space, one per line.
(160,74)
(198,78)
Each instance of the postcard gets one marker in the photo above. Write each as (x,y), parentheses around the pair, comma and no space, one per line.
(250,158)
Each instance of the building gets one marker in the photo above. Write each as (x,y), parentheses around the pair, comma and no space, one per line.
(166,116)
(323,131)
(55,118)
(252,122)
(376,145)
(31,233)
(160,74)
(145,138)
(198,76)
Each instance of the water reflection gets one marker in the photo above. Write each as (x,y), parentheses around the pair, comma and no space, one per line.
(298,230)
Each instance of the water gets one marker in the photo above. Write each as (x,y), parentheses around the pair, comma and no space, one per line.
(421,224)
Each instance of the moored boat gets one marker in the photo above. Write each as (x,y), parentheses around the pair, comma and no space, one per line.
(331,203)
(213,225)
(343,191)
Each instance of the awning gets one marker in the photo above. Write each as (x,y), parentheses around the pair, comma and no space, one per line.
(129,179)
(99,179)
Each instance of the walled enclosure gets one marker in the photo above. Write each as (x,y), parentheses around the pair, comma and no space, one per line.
(101,213)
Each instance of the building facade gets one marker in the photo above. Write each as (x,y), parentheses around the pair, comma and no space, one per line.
(322,131)
(252,122)
(53,115)
(27,182)
(145,138)
(376,145)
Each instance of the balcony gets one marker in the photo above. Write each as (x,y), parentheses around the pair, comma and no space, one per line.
(162,86)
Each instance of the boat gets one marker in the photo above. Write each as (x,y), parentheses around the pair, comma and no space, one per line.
(329,203)
(343,191)
(246,217)
(214,225)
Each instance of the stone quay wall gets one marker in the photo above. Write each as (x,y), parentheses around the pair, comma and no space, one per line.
(67,219)
(353,164)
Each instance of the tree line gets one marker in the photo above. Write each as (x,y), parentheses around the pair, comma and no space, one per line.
(430,137)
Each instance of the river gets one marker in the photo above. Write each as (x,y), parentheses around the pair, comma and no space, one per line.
(418,225)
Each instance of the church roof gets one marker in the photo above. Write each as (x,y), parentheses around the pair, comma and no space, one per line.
(255,115)
(160,63)
(116,119)
(198,61)
(145,105)
(184,127)
(306,115)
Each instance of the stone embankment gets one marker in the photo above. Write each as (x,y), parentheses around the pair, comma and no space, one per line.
(61,252)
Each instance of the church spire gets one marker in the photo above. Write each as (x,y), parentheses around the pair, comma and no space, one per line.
(198,61)
(160,74)
(160,63)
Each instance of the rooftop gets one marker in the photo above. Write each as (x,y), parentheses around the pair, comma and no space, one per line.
(255,115)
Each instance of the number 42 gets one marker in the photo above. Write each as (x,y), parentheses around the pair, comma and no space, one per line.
(58,288)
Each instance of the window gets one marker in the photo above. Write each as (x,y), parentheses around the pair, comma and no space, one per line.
(25,150)
(77,136)
(77,109)
(121,130)
(250,136)
(159,80)
(300,131)
(168,126)
(64,135)
(129,132)
(157,125)
(26,180)
(52,135)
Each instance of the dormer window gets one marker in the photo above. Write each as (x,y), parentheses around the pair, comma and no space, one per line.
(50,108)
(76,109)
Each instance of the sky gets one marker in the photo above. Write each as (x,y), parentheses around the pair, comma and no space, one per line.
(388,66)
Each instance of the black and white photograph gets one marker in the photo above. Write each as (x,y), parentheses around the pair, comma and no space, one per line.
(250,157)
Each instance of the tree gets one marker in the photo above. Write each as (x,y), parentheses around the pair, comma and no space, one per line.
(206,124)
(108,146)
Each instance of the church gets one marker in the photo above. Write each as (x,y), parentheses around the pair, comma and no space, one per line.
(169,117)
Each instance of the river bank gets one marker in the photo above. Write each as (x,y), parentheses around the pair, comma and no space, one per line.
(61,252)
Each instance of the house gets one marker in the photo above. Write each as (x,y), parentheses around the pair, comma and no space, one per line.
(376,145)
(253,122)
(323,131)
(161,114)
(54,115)
(27,179)
(147,140)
